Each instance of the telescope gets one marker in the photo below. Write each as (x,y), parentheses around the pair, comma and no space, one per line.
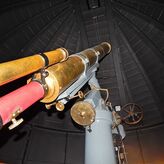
(56,78)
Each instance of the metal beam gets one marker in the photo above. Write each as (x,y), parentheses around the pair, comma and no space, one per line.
(149,42)
(148,82)
(115,51)
(22,25)
(139,14)
(56,35)
(80,22)
(28,44)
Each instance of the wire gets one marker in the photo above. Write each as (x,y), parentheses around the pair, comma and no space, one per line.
(99,89)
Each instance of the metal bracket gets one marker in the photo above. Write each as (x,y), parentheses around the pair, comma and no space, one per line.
(41,78)
(60,105)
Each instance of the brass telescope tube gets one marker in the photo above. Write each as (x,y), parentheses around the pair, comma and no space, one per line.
(62,75)
(15,69)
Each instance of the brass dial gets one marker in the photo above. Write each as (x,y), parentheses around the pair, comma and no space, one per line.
(83,113)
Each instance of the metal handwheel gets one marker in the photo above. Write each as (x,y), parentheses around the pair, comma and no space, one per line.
(133,113)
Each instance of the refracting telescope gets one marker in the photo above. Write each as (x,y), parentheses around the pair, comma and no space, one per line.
(56,78)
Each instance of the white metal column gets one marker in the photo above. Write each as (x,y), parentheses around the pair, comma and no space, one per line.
(99,147)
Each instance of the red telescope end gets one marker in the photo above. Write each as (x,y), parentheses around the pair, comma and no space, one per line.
(19,99)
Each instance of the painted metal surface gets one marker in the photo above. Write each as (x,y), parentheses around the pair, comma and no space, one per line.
(20,99)
(98,140)
(99,147)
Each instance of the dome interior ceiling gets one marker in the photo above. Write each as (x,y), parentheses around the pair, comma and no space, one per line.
(133,72)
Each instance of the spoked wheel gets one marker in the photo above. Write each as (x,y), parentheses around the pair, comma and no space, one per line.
(133,114)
